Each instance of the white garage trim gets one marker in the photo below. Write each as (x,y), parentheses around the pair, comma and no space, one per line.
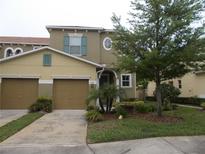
(92,82)
(45,81)
(24,76)
(71,77)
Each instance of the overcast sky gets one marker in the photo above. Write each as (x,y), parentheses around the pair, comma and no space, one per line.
(29,17)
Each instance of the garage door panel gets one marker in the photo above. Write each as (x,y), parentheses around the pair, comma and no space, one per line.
(19,93)
(70,94)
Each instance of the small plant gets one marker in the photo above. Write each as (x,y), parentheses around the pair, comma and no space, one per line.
(150,107)
(167,105)
(120,111)
(42,104)
(94,116)
(203,105)
(139,102)
(142,108)
(91,107)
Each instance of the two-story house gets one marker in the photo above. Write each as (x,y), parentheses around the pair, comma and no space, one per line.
(72,62)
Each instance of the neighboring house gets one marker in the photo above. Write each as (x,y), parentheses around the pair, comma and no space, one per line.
(190,85)
(76,60)
(10,46)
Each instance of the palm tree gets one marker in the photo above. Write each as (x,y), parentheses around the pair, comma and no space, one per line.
(106,95)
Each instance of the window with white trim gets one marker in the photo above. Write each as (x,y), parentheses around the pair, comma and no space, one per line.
(180,84)
(75,45)
(36,47)
(18,51)
(8,52)
(126,80)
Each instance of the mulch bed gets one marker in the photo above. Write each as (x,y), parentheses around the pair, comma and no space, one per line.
(147,116)
(154,118)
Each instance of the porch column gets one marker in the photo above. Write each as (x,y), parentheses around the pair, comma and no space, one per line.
(97,87)
(118,87)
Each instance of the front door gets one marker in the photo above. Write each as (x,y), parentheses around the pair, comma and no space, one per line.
(105,79)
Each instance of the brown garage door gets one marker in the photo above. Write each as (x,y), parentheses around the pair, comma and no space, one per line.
(19,93)
(70,94)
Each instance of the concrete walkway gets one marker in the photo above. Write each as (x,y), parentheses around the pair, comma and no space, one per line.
(7,116)
(62,131)
(189,106)
(164,145)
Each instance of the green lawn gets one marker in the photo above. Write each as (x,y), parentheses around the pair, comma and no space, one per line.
(135,128)
(16,125)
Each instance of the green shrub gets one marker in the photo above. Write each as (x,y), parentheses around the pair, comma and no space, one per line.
(150,107)
(139,102)
(42,104)
(93,116)
(91,107)
(203,105)
(121,111)
(142,108)
(174,106)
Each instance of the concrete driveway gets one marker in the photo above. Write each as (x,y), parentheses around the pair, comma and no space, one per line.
(62,131)
(7,116)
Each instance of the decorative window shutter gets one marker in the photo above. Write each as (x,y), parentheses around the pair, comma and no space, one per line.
(66,44)
(84,45)
(47,59)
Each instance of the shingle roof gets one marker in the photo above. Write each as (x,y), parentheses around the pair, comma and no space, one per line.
(24,40)
(79,28)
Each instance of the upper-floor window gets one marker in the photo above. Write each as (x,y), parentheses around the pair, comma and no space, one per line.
(126,80)
(75,44)
(107,43)
(18,51)
(11,52)
(8,52)
(36,47)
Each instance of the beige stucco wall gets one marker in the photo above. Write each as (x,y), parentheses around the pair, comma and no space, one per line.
(95,50)
(93,39)
(45,90)
(108,57)
(199,85)
(32,64)
(192,85)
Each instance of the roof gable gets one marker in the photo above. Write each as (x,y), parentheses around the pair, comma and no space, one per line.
(53,50)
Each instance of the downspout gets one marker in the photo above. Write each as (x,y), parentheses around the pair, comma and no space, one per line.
(98,82)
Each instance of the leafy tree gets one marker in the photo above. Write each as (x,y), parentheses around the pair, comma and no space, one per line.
(162,40)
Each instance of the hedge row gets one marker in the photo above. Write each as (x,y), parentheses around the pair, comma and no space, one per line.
(183,100)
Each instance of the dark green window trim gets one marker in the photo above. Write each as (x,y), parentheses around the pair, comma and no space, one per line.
(47,59)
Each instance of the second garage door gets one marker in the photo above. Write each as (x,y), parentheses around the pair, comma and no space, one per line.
(70,93)
(19,93)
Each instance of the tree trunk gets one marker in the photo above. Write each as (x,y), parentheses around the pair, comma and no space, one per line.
(159,96)
(101,105)
(107,104)
(110,104)
(144,94)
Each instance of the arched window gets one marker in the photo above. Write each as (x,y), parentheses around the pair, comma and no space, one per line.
(8,52)
(18,51)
